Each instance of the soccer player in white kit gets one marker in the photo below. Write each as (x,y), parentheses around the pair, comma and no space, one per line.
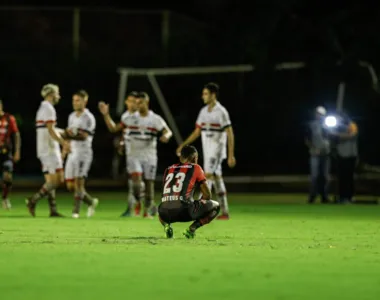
(214,125)
(80,130)
(131,104)
(142,129)
(48,149)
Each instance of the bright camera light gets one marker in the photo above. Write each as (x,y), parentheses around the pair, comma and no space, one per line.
(331,121)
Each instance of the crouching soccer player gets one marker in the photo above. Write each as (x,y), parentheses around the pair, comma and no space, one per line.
(178,205)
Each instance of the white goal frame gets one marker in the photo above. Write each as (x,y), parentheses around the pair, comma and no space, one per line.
(151,74)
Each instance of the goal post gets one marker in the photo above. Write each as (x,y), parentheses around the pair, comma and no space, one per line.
(152,73)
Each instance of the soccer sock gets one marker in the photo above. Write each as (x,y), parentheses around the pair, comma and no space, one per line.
(205,220)
(136,190)
(131,197)
(220,189)
(51,201)
(44,191)
(78,197)
(7,186)
(149,198)
(87,198)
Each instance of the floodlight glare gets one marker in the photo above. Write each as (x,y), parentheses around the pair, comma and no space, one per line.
(331,121)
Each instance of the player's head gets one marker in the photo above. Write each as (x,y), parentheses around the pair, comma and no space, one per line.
(320,112)
(130,102)
(143,102)
(80,99)
(189,154)
(210,92)
(50,92)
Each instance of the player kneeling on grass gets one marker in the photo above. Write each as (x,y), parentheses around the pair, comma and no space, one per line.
(178,205)
(81,129)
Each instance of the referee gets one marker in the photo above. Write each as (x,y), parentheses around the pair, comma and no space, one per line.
(317,141)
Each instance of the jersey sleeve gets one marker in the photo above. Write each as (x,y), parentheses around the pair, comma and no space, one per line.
(160,124)
(13,124)
(200,175)
(89,125)
(200,120)
(225,119)
(49,115)
(123,121)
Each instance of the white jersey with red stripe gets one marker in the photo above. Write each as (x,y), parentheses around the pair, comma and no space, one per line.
(213,124)
(141,133)
(83,122)
(124,117)
(46,145)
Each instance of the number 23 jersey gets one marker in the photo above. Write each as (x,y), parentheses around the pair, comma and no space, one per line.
(180,181)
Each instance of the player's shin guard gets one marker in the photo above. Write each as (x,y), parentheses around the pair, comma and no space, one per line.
(7,186)
(43,192)
(221,192)
(52,203)
(206,219)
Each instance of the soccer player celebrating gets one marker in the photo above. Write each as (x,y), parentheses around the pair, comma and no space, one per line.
(131,104)
(80,130)
(178,205)
(215,126)
(8,133)
(48,150)
(142,128)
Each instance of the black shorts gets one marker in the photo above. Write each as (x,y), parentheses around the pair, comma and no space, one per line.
(6,162)
(180,211)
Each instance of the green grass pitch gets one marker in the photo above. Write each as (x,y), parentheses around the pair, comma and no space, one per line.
(268,250)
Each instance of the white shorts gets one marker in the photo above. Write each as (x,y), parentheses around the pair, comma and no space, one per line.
(212,164)
(77,166)
(51,163)
(142,166)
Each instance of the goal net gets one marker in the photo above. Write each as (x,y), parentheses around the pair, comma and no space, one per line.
(268,108)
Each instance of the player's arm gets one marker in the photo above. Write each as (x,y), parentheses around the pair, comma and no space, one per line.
(80,136)
(166,132)
(205,190)
(190,139)
(54,135)
(17,138)
(231,146)
(226,125)
(111,125)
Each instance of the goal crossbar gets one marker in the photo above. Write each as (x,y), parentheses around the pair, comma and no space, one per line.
(151,74)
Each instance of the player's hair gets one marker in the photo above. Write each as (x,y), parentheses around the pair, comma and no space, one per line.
(213,88)
(188,152)
(81,93)
(143,95)
(49,89)
(133,94)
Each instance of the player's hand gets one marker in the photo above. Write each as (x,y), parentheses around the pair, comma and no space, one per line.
(178,151)
(103,108)
(164,139)
(16,156)
(231,161)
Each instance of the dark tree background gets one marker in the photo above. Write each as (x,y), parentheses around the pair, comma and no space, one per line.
(268,109)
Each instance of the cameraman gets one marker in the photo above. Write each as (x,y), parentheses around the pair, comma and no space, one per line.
(319,148)
(347,153)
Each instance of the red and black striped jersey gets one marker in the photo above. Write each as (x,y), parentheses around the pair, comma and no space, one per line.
(8,126)
(180,181)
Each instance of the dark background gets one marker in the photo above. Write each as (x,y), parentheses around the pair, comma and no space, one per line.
(268,108)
